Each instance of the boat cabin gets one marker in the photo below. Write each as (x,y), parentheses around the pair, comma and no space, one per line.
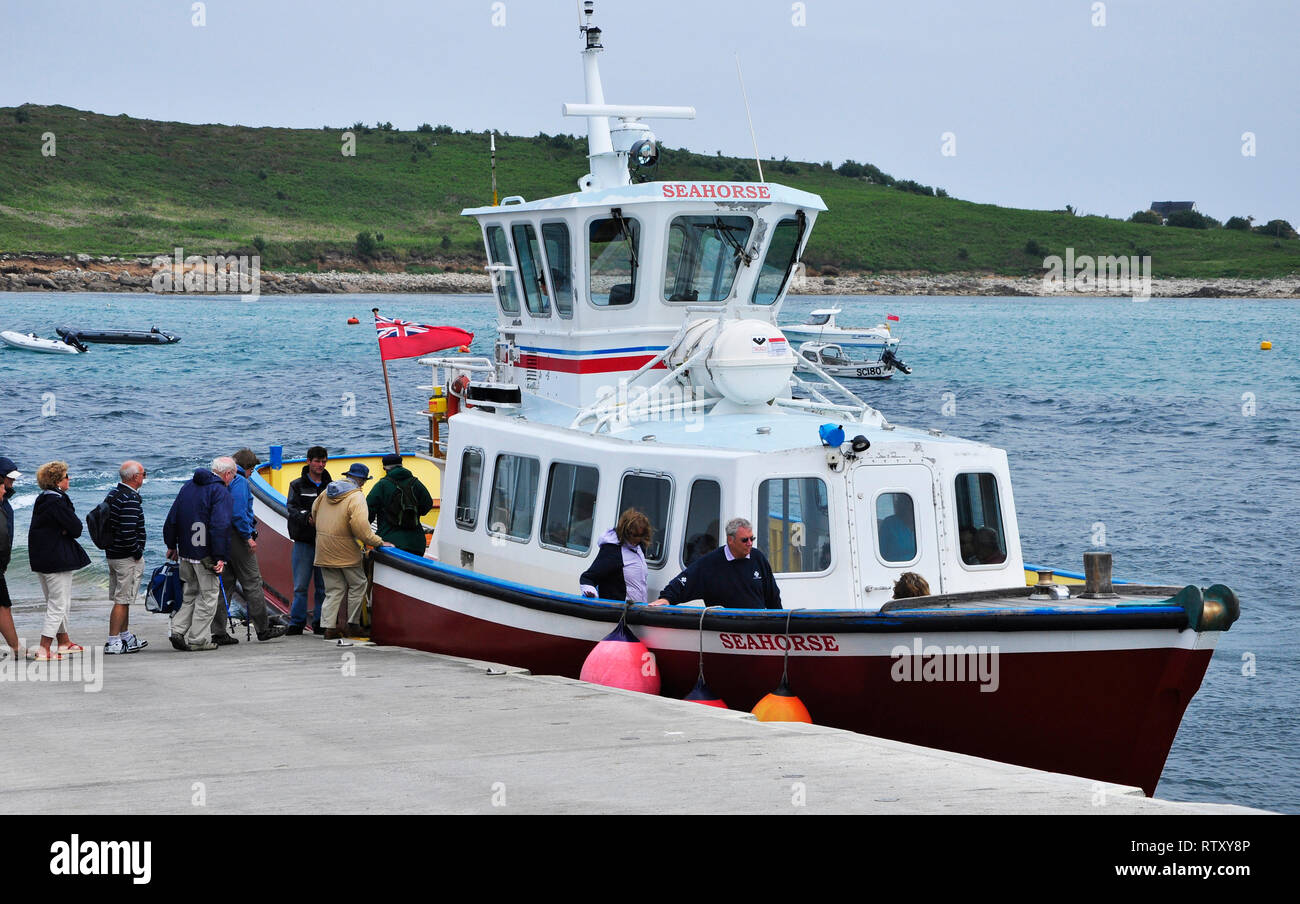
(639,364)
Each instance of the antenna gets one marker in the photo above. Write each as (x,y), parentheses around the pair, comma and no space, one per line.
(752,136)
(492,137)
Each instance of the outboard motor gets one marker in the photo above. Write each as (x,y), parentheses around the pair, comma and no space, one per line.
(888,357)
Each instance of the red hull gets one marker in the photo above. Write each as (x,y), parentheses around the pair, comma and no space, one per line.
(1119,728)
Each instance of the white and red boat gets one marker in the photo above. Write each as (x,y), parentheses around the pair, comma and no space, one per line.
(638,363)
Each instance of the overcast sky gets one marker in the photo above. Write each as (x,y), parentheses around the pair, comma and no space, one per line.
(1047,105)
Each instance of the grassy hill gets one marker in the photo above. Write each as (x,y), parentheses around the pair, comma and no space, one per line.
(123,186)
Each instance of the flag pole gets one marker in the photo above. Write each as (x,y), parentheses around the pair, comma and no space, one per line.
(392,421)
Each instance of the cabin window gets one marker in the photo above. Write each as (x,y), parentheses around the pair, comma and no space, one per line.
(570,505)
(502,280)
(704,254)
(614,245)
(703,517)
(514,496)
(782,255)
(793,526)
(979,520)
(536,295)
(467,492)
(810,354)
(895,527)
(651,494)
(559,265)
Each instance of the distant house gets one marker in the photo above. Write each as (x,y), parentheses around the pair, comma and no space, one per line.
(1165,208)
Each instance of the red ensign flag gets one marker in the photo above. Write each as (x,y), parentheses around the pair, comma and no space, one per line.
(893,317)
(403,339)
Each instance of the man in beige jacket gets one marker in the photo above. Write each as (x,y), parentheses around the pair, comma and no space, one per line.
(341,520)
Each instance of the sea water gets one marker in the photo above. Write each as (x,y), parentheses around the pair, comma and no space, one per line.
(1158,431)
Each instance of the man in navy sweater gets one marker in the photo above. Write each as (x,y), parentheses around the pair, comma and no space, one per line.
(736,575)
(125,556)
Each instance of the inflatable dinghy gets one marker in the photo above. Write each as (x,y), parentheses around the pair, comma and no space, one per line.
(33,343)
(153,336)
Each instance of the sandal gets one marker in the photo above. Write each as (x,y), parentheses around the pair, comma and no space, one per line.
(70,647)
(40,654)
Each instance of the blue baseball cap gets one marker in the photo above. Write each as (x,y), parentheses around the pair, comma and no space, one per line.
(9,469)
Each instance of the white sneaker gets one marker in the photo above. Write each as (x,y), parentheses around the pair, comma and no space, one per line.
(114,645)
(131,643)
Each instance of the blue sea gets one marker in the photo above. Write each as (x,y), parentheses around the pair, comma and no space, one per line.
(1158,429)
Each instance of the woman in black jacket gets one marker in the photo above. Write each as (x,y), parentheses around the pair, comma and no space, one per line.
(619,571)
(55,554)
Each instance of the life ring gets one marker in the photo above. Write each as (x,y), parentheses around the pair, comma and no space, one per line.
(455,393)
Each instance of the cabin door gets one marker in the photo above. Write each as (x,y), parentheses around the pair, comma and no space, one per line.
(895,529)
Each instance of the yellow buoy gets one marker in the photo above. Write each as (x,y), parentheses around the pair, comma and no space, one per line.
(1265,345)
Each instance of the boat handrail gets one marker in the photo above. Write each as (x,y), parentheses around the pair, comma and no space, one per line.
(602,424)
(864,409)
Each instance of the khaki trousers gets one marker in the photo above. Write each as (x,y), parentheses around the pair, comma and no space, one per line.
(338,581)
(193,620)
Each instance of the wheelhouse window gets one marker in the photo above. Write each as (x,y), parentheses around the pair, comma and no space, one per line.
(979,520)
(536,295)
(794,524)
(570,505)
(614,244)
(778,263)
(559,265)
(514,496)
(703,517)
(651,494)
(467,491)
(704,254)
(503,277)
(895,527)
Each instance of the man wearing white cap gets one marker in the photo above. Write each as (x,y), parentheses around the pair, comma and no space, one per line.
(8,474)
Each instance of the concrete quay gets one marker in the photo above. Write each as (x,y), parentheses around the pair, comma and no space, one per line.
(298,725)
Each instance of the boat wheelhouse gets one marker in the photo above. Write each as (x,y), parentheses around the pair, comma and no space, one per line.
(638,363)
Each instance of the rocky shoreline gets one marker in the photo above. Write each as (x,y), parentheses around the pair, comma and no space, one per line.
(87,273)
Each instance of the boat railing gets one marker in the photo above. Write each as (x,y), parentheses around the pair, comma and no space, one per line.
(607,409)
(819,399)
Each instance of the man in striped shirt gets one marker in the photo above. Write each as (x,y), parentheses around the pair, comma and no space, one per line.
(125,556)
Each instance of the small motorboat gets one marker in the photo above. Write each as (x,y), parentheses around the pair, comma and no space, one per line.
(152,336)
(34,343)
(837,361)
(821,327)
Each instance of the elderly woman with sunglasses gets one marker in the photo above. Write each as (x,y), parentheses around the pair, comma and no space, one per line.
(619,571)
(55,554)
(735,575)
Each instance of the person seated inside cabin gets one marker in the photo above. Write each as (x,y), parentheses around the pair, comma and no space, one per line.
(910,584)
(735,575)
(619,571)
(988,548)
(967,541)
(898,531)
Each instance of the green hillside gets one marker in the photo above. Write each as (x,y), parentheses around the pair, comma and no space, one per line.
(123,186)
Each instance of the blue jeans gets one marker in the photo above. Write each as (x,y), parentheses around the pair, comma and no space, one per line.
(304,555)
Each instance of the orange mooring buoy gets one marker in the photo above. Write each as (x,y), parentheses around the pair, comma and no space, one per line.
(781,706)
(352,321)
(622,660)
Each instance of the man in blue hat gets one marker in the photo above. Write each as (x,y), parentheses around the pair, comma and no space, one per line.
(8,474)
(341,520)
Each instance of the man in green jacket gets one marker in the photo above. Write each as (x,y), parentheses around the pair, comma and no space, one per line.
(396,502)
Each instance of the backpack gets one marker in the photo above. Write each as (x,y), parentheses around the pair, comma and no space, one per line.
(99,524)
(166,591)
(402,510)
